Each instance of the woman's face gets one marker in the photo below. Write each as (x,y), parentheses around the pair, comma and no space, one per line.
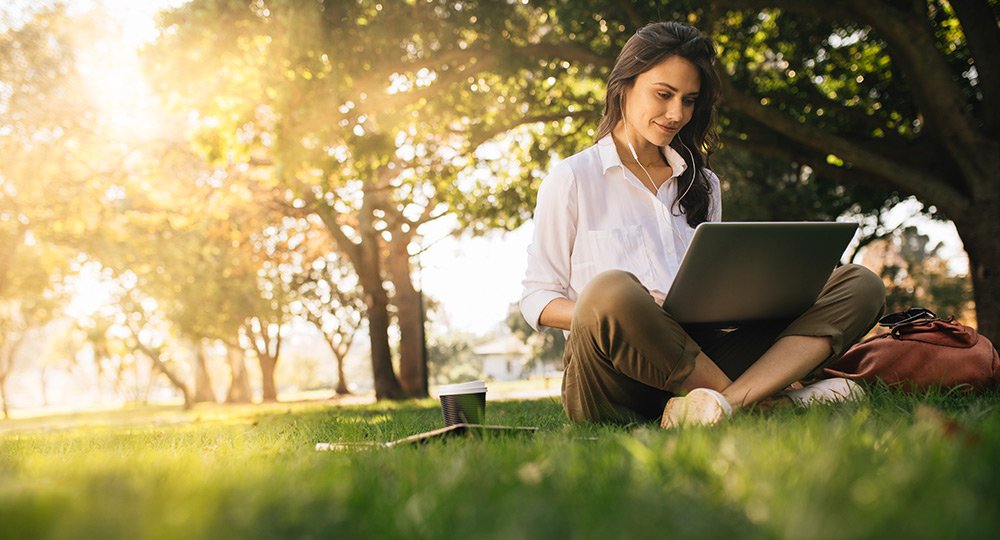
(661,100)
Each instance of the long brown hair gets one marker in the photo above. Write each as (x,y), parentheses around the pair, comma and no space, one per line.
(649,46)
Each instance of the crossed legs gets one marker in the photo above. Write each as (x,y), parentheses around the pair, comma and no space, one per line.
(626,357)
(790,359)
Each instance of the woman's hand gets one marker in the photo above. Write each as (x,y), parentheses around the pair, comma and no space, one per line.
(658,296)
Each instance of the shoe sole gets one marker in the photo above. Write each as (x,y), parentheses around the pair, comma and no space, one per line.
(828,391)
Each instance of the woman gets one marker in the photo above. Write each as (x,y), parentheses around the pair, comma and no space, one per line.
(611,226)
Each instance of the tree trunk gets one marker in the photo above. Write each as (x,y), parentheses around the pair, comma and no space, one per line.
(239,383)
(267,366)
(409,313)
(159,365)
(341,389)
(7,359)
(268,350)
(100,353)
(178,384)
(153,372)
(3,395)
(340,353)
(366,260)
(980,231)
(377,305)
(44,386)
(202,382)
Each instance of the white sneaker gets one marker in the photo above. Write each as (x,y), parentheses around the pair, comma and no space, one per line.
(827,391)
(700,407)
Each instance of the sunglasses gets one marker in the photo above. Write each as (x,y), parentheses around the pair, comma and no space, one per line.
(911,315)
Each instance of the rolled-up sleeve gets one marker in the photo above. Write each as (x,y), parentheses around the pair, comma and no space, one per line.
(548,273)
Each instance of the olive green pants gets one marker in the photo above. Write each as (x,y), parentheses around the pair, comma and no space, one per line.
(625,356)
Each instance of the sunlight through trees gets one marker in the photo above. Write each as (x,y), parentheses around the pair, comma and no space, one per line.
(264,170)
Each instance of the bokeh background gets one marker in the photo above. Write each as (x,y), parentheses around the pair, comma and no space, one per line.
(250,200)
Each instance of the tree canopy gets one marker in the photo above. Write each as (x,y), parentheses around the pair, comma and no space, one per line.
(312,142)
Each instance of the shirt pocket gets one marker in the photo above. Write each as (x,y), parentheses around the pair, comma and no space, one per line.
(619,249)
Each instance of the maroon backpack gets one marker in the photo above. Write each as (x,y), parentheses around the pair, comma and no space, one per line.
(921,351)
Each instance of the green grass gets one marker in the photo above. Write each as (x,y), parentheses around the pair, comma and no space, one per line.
(891,467)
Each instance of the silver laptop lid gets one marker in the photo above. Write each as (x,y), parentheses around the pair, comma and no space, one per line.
(734,272)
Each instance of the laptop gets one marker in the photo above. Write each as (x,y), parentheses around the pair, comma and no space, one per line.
(739,272)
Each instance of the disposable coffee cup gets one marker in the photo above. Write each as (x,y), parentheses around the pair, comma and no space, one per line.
(463,403)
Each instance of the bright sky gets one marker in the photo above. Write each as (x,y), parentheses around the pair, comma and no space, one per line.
(137,19)
(475,279)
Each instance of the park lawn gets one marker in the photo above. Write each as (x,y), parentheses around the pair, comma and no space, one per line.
(892,466)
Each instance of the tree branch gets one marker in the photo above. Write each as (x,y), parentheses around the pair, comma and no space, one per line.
(932,82)
(265,337)
(790,151)
(252,336)
(479,59)
(863,157)
(278,339)
(157,360)
(501,128)
(329,218)
(384,101)
(877,234)
(930,78)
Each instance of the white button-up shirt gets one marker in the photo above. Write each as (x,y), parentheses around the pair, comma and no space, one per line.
(594,215)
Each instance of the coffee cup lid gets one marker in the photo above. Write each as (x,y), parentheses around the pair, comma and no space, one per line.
(470,387)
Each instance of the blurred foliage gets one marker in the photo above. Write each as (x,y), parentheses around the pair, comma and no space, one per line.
(546,346)
(450,357)
(901,97)
(31,299)
(323,290)
(763,189)
(312,139)
(917,276)
(45,143)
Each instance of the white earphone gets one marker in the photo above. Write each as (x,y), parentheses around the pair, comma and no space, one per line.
(628,138)
(628,141)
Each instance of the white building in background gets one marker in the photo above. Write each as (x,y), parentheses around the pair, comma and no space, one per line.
(507,358)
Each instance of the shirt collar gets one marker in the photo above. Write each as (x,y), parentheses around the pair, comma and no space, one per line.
(610,158)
